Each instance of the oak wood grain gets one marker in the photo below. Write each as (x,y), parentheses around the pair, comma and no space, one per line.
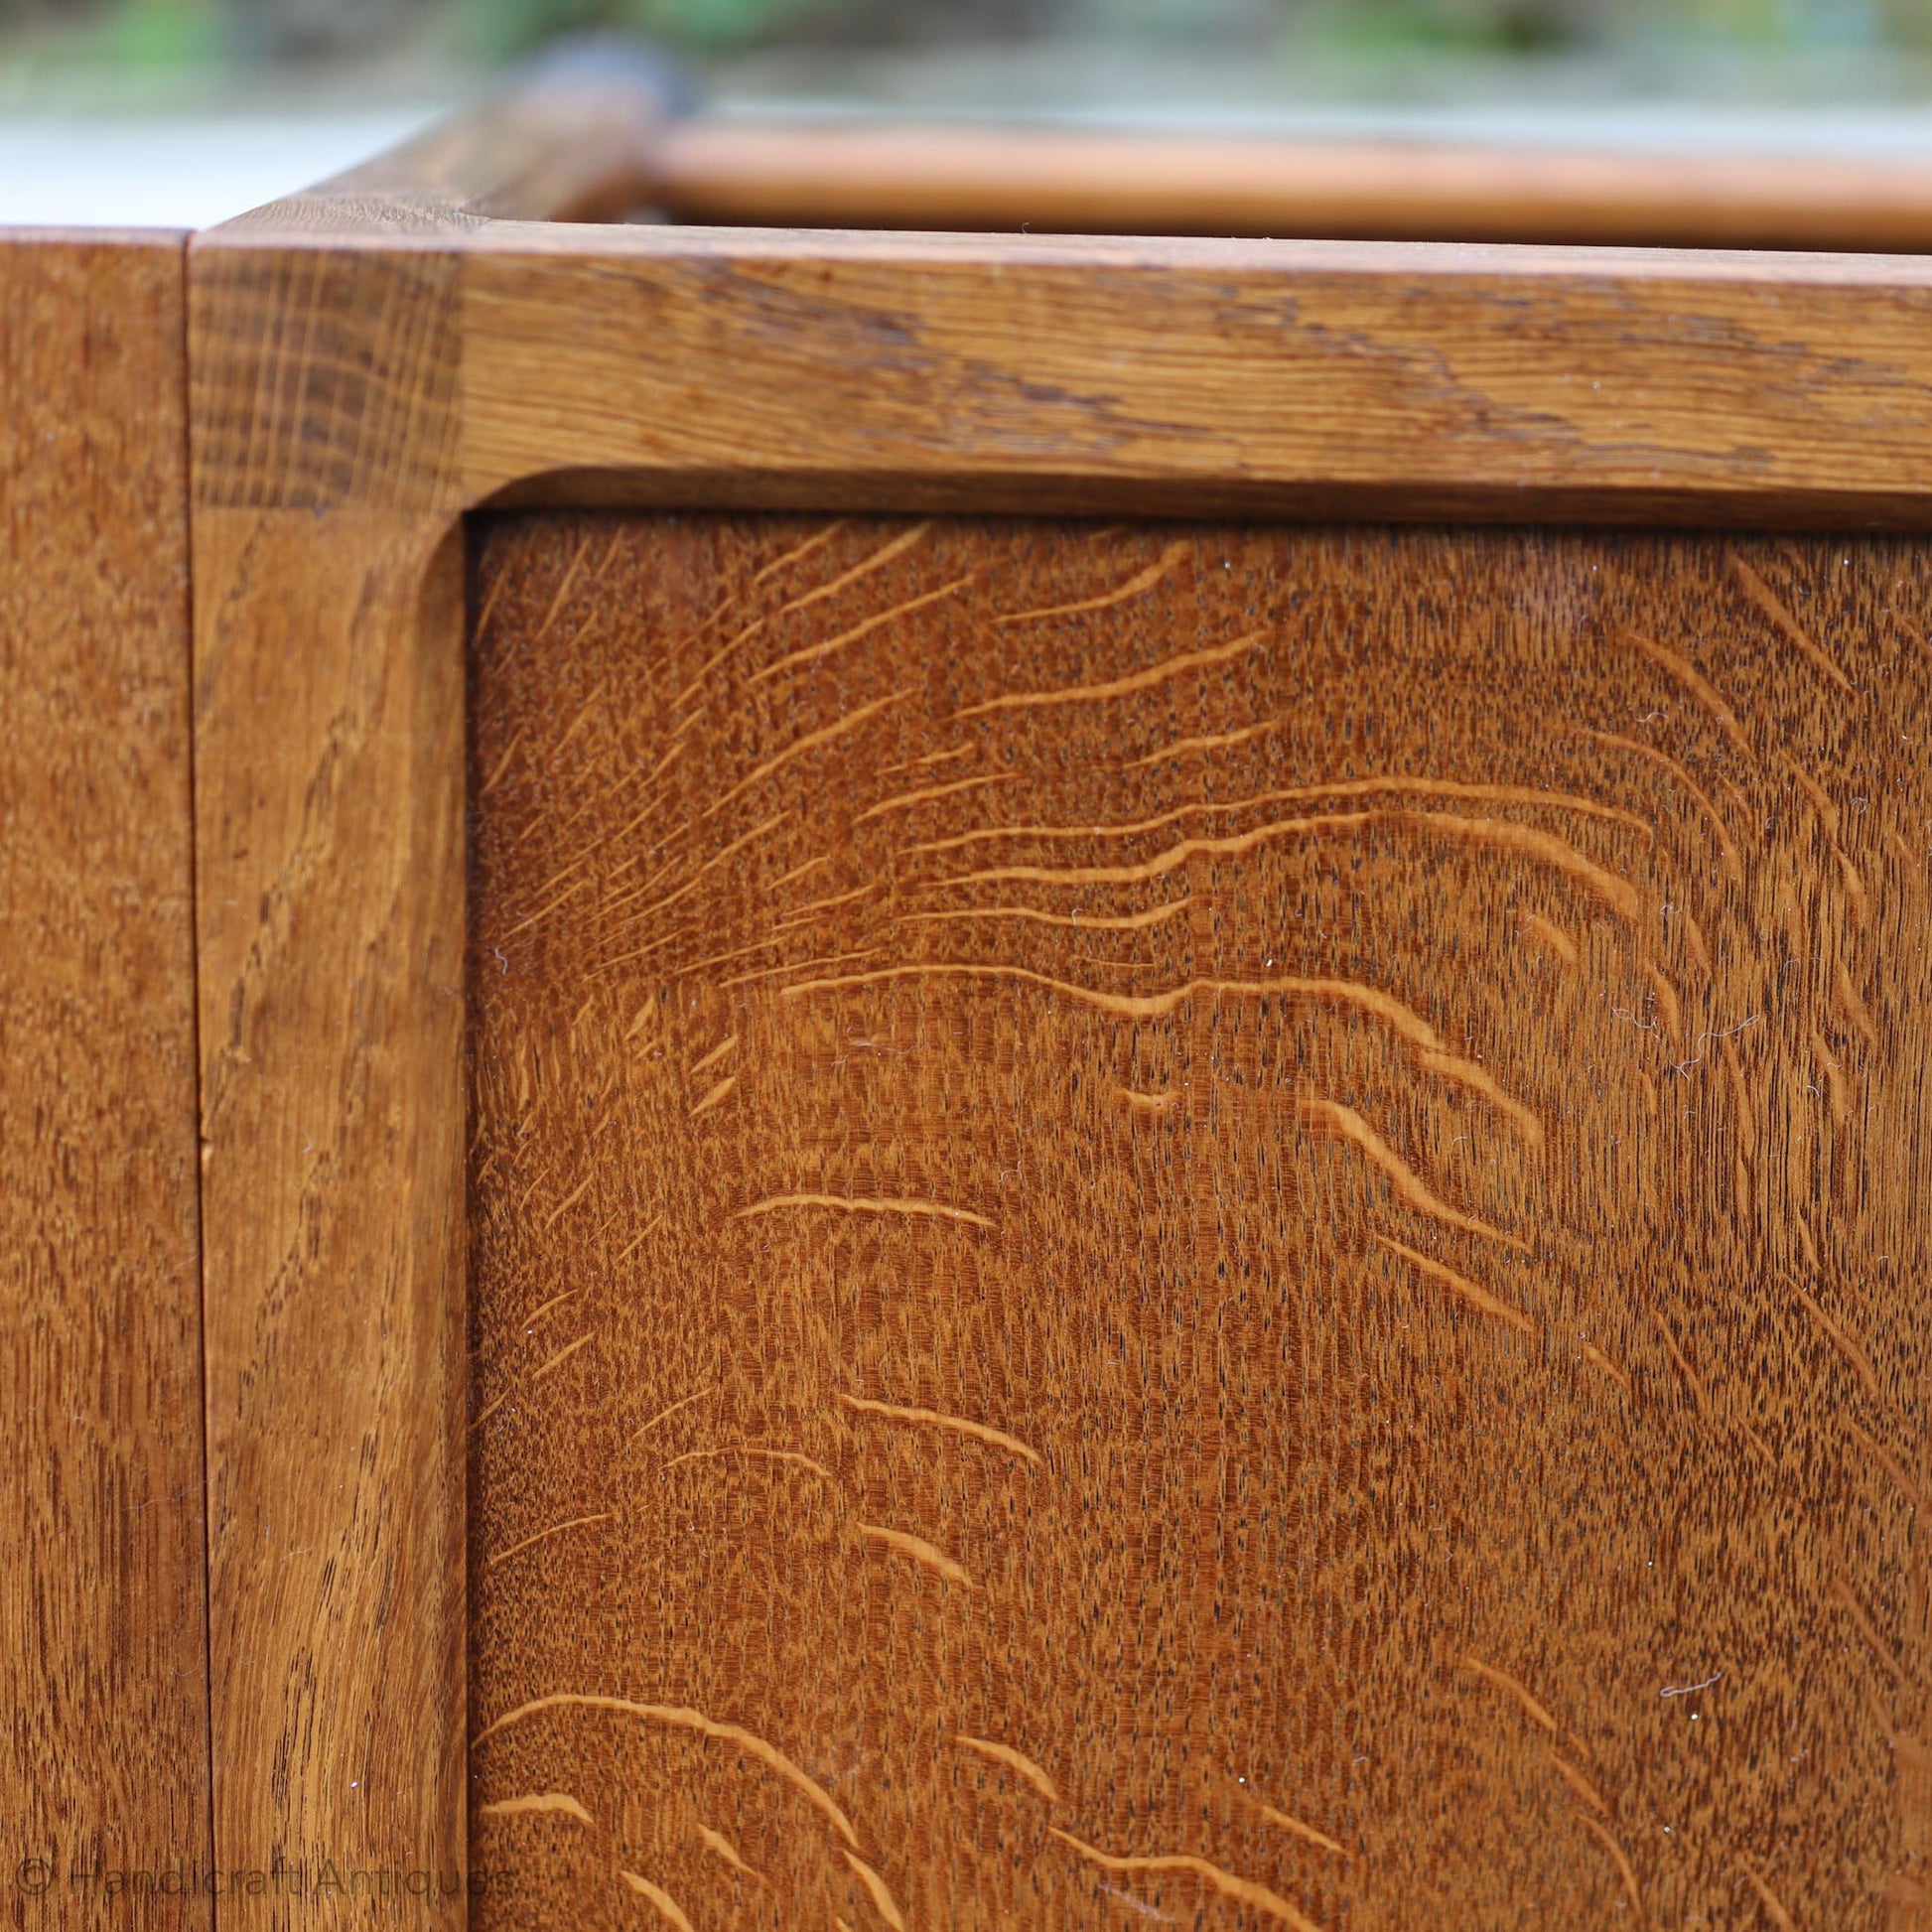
(570,138)
(328,826)
(531,362)
(1216,1223)
(104,1716)
(329,709)
(1057,180)
(1012,372)
(371,363)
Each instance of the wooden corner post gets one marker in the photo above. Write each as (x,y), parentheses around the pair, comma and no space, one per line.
(329,731)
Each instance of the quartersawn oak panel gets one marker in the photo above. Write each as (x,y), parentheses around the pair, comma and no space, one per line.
(1217,1224)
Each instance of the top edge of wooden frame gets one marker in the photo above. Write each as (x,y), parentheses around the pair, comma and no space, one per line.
(420,334)
(334,226)
(165,241)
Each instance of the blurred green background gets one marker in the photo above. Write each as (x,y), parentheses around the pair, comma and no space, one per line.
(190,32)
(1788,39)
(185,112)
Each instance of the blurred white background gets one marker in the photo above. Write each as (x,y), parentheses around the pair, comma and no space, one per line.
(185,112)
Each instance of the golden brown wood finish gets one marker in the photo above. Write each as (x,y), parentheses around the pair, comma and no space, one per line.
(331,890)
(1060,182)
(369,366)
(1312,378)
(559,362)
(329,725)
(573,141)
(1223,1224)
(102,1648)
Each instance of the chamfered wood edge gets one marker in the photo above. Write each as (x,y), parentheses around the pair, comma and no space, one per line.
(1017,495)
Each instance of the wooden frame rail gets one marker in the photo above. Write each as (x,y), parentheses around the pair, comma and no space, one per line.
(375,360)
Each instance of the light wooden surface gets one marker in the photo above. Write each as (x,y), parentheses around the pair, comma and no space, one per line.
(103,1718)
(1067,182)
(1214,1223)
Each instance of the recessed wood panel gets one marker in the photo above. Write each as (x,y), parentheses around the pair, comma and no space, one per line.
(1220,1225)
